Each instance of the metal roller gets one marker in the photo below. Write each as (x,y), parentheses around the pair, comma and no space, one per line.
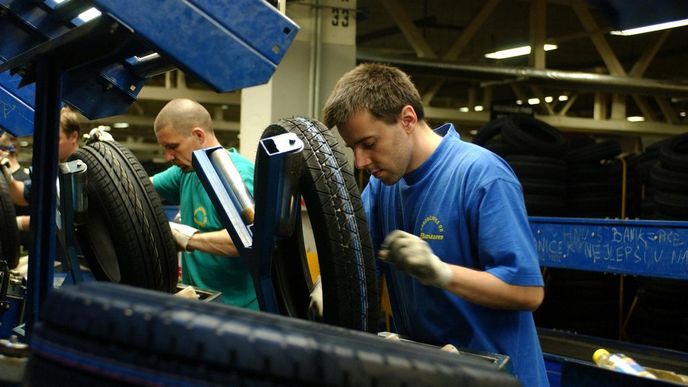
(225,167)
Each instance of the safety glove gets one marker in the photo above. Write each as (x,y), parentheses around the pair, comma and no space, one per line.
(414,256)
(182,234)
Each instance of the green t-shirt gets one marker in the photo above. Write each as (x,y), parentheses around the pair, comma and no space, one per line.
(228,275)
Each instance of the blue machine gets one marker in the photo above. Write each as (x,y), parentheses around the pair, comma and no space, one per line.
(99,66)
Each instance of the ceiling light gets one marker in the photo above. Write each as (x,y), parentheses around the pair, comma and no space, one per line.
(519,102)
(463,109)
(651,28)
(682,114)
(533,101)
(120,125)
(563,98)
(518,51)
(635,119)
(89,14)
(549,99)
(478,108)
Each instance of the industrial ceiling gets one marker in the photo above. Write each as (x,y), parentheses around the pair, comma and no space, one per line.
(604,78)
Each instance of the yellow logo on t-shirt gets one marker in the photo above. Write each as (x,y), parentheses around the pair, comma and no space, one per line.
(200,216)
(432,229)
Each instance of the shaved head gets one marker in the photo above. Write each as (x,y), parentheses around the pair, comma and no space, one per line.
(182,115)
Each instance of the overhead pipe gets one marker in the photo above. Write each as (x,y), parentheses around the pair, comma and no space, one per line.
(542,77)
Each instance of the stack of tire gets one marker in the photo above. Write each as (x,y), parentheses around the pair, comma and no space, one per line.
(670,179)
(660,317)
(533,149)
(595,180)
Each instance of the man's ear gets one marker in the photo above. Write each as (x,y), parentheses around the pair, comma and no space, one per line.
(199,134)
(408,118)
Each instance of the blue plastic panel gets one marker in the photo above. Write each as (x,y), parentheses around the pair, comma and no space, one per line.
(229,45)
(16,105)
(637,247)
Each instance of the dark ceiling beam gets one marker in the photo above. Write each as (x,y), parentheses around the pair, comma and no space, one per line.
(532,76)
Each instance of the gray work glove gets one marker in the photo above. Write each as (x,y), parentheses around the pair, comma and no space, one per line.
(182,233)
(5,166)
(315,306)
(414,256)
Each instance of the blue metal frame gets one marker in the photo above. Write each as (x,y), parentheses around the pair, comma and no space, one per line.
(93,64)
(637,247)
(16,106)
(278,166)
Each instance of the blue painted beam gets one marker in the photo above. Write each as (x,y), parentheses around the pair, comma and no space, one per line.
(16,105)
(636,247)
(229,45)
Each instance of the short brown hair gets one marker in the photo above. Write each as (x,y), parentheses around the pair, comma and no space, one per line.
(69,121)
(382,90)
(182,115)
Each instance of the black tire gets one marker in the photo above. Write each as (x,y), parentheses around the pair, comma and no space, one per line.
(340,228)
(529,135)
(674,153)
(9,234)
(527,166)
(667,180)
(490,130)
(120,334)
(126,238)
(672,203)
(604,150)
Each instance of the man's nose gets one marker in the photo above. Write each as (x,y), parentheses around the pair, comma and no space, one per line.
(361,159)
(168,155)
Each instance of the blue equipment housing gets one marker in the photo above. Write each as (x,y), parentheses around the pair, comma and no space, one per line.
(106,61)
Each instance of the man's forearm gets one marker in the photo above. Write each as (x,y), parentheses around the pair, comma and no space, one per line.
(213,242)
(16,191)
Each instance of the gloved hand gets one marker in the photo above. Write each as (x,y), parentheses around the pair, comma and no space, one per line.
(414,256)
(182,233)
(315,306)
(5,166)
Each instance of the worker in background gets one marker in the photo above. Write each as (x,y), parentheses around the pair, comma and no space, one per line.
(8,151)
(210,259)
(20,191)
(448,221)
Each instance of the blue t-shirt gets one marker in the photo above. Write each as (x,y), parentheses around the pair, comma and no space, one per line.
(228,275)
(467,204)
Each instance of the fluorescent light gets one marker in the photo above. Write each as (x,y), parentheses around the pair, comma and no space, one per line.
(120,125)
(682,114)
(563,98)
(517,51)
(463,109)
(533,101)
(478,108)
(549,99)
(519,102)
(89,14)
(651,28)
(635,119)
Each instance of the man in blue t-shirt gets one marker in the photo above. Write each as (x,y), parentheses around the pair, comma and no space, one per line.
(448,221)
(210,259)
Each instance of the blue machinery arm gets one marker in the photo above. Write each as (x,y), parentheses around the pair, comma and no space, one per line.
(99,67)
(277,209)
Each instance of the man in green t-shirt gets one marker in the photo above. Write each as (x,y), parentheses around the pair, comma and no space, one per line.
(209,259)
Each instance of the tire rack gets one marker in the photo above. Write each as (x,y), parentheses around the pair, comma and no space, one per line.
(98,64)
